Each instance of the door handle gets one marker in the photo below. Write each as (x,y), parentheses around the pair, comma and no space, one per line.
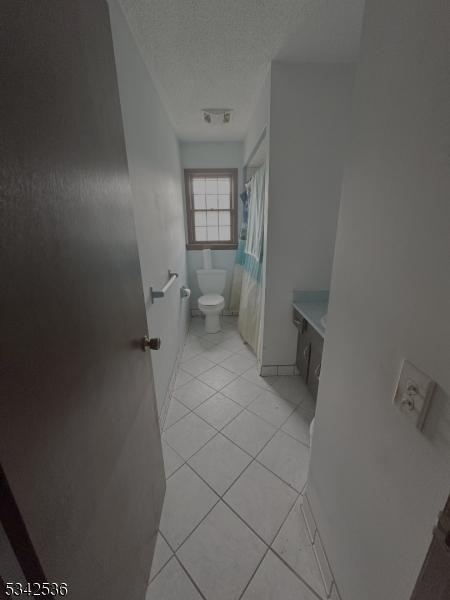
(150,343)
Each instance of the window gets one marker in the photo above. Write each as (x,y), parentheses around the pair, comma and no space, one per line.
(211,197)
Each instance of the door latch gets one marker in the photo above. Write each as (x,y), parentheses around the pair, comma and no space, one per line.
(150,343)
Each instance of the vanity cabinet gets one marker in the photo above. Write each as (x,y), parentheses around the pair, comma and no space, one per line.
(309,352)
(315,361)
(303,345)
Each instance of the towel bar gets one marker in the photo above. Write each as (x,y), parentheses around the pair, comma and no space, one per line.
(161,293)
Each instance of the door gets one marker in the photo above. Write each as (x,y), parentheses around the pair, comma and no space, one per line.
(434,579)
(79,438)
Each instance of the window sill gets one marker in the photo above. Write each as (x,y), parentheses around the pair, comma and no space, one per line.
(228,246)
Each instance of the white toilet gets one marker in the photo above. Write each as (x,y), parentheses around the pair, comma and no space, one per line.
(211,283)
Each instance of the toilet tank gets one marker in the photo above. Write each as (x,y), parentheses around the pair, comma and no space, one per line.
(211,281)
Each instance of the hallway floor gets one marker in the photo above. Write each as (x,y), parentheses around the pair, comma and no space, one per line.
(236,452)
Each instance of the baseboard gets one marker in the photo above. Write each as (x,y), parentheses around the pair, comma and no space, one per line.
(319,549)
(195,312)
(278,370)
(168,396)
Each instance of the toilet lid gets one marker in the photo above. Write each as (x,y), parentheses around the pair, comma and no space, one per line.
(210,299)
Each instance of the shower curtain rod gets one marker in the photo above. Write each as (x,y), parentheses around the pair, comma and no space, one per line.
(247,182)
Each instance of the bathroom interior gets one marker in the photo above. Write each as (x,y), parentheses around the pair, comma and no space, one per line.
(289,192)
(302,299)
(258,306)
(315,235)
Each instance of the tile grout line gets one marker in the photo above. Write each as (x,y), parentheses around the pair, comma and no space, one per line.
(253,459)
(217,431)
(226,424)
(200,522)
(265,388)
(202,519)
(191,579)
(186,460)
(192,410)
(203,419)
(207,371)
(254,573)
(266,421)
(158,572)
(269,546)
(221,497)
(308,585)
(175,422)
(280,478)
(218,346)
(293,438)
(278,428)
(282,558)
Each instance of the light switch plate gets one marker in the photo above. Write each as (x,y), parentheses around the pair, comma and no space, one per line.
(413,393)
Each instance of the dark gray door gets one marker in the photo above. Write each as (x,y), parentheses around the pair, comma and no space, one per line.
(434,579)
(79,438)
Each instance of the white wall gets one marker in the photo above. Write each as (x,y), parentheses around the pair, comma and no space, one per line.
(376,483)
(210,155)
(309,126)
(154,166)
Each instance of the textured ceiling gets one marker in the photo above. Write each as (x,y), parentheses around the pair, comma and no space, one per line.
(216,53)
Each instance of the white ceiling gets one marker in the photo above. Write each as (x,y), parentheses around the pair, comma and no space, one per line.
(216,53)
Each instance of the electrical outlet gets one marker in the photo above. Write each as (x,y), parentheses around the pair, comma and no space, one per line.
(413,393)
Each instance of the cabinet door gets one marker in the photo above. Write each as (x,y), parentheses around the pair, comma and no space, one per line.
(303,350)
(315,362)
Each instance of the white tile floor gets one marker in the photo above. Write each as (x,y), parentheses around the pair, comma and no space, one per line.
(236,453)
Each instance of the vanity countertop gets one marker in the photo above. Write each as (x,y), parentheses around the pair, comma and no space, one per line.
(313,306)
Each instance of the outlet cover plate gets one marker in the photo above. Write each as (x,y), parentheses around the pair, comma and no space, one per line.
(413,393)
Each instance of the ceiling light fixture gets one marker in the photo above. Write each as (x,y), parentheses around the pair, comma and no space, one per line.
(217,116)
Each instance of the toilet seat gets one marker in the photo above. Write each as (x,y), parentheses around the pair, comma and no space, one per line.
(210,300)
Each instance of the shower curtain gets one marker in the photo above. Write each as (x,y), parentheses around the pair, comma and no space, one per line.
(249,262)
(238,270)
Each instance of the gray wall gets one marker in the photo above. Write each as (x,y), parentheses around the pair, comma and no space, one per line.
(376,483)
(155,173)
(210,155)
(309,128)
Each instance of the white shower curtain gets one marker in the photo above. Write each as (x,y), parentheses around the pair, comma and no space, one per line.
(236,284)
(251,288)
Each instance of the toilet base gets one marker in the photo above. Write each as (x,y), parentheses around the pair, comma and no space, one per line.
(212,323)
